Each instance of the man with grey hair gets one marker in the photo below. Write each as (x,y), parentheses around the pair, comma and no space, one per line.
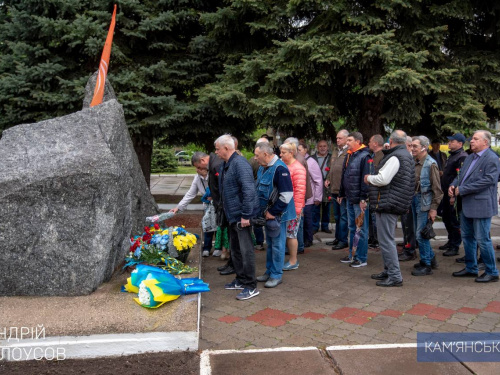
(274,180)
(476,186)
(239,200)
(390,197)
(199,186)
(428,195)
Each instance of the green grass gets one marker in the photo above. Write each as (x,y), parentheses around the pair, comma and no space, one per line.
(181,170)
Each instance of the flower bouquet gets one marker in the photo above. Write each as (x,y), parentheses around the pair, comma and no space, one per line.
(163,247)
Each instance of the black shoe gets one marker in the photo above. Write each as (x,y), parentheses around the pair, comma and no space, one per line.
(222,268)
(446,246)
(420,264)
(307,244)
(498,259)
(422,271)
(485,278)
(340,246)
(380,276)
(460,260)
(315,231)
(434,263)
(450,253)
(332,243)
(407,257)
(498,248)
(228,271)
(464,273)
(327,230)
(373,245)
(388,282)
(300,252)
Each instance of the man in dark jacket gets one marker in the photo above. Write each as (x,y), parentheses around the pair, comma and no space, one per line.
(450,215)
(390,197)
(239,199)
(355,190)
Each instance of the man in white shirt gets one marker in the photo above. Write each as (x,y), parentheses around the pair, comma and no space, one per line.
(390,197)
(199,185)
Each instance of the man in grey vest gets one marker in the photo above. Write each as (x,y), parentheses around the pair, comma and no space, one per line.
(390,197)
(428,195)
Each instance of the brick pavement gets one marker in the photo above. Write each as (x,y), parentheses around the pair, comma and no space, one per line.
(326,302)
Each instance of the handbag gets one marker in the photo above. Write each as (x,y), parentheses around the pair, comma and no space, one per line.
(209,220)
(428,232)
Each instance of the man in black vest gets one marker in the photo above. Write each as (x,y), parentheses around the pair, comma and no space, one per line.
(390,197)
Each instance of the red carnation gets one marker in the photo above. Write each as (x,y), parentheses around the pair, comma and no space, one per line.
(329,198)
(327,169)
(458,169)
(146,229)
(157,226)
(146,238)
(217,174)
(370,160)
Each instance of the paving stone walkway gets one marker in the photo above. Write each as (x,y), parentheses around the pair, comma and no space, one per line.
(325,302)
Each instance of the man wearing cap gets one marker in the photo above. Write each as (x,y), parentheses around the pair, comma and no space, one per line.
(273,176)
(476,185)
(451,170)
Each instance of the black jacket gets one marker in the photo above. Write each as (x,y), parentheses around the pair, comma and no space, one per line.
(354,170)
(455,162)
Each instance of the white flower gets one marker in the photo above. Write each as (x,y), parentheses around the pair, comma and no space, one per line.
(144,296)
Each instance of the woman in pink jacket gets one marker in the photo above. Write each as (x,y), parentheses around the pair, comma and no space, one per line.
(298,175)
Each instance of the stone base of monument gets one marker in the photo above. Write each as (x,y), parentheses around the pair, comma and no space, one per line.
(107,322)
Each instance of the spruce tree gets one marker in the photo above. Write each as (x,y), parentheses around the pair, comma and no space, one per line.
(425,66)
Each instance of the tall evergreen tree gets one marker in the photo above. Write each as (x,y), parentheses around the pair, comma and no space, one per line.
(159,58)
(416,64)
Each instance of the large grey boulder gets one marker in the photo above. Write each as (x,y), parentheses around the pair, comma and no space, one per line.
(71,194)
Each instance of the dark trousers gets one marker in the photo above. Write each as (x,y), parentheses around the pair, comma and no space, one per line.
(321,216)
(340,215)
(308,223)
(408,232)
(372,227)
(451,223)
(243,255)
(259,234)
(207,240)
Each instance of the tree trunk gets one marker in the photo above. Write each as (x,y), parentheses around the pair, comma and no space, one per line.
(370,116)
(143,145)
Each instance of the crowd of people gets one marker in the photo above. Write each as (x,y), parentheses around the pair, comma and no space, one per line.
(286,198)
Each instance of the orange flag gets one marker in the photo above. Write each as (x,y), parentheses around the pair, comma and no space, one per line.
(103,66)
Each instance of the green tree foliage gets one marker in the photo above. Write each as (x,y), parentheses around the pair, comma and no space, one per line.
(163,160)
(426,66)
(49,49)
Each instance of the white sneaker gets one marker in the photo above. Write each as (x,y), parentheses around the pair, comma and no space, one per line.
(217,253)
(206,253)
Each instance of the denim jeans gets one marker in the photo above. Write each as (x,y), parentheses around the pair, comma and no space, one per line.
(207,240)
(243,255)
(308,224)
(477,232)
(353,211)
(275,254)
(340,215)
(321,215)
(420,219)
